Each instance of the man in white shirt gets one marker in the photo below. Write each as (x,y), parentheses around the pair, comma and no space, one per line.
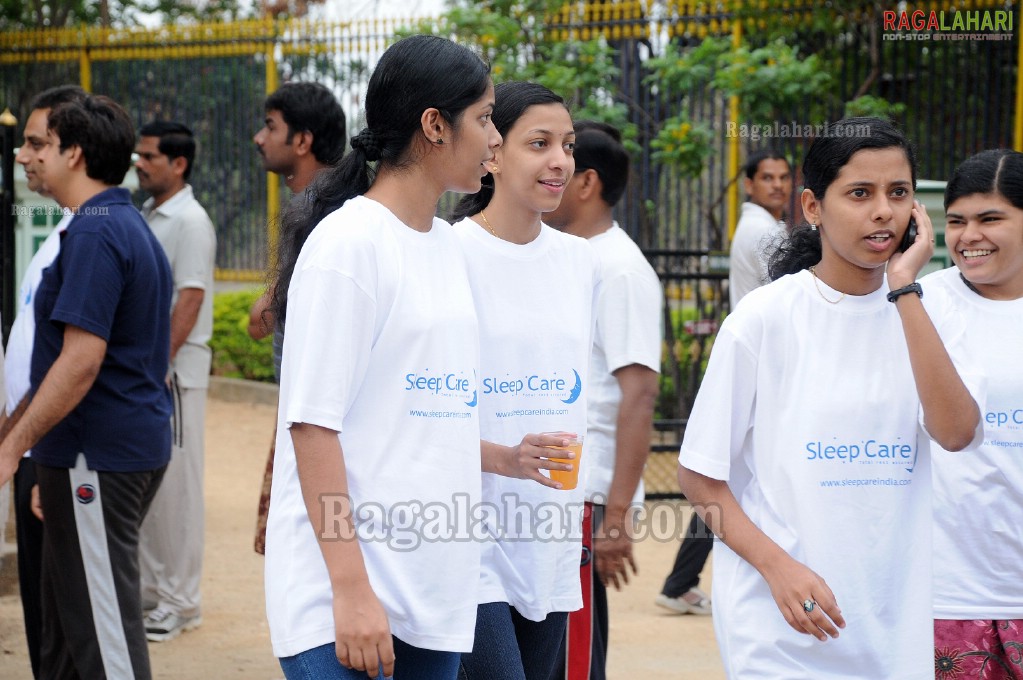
(17,363)
(768,184)
(171,541)
(624,366)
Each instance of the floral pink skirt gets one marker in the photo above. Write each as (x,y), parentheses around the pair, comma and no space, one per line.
(978,650)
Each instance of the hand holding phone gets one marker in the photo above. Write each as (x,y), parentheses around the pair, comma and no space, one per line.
(909,237)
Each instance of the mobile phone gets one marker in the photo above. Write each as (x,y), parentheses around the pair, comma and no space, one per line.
(909,237)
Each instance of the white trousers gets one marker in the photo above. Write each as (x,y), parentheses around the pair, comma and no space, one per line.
(172,538)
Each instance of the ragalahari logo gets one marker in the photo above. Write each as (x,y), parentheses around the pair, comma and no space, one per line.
(937,25)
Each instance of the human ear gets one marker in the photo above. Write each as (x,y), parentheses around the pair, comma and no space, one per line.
(811,206)
(74,155)
(305,142)
(589,184)
(179,165)
(434,126)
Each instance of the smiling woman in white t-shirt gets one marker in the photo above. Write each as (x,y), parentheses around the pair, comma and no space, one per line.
(804,451)
(533,287)
(377,417)
(978,499)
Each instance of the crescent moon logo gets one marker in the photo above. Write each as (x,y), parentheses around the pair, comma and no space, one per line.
(577,389)
(472,403)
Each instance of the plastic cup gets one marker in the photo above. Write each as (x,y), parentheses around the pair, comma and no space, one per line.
(569,479)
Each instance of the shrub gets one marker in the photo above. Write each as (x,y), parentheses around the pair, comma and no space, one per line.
(235,354)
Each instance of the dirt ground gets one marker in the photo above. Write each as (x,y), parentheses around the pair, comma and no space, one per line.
(233,641)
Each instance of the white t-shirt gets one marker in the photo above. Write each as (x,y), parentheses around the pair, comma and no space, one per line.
(809,411)
(186,233)
(534,304)
(978,495)
(19,345)
(628,331)
(381,344)
(755,234)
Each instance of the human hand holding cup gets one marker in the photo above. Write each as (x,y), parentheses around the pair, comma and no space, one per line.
(569,479)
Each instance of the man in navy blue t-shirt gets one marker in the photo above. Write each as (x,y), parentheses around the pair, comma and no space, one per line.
(98,422)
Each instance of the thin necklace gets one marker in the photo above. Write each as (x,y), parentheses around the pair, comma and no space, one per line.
(487,223)
(821,293)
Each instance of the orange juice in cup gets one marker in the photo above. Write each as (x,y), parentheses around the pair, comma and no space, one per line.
(569,479)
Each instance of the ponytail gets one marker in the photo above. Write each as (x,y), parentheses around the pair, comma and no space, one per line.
(328,192)
(800,250)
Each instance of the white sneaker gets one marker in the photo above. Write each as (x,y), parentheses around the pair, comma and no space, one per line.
(675,604)
(163,624)
(695,601)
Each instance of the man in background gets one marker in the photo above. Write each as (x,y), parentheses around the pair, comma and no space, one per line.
(28,528)
(768,184)
(98,422)
(624,366)
(172,538)
(303,133)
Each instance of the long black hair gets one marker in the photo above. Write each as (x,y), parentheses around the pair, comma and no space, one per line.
(414,74)
(827,155)
(995,171)
(510,101)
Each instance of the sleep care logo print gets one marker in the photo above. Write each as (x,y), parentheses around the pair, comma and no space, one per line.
(564,386)
(429,382)
(863,452)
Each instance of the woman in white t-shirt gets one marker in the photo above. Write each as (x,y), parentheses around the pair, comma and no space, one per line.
(378,437)
(978,498)
(804,451)
(533,287)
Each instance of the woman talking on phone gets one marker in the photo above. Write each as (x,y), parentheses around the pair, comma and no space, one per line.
(806,450)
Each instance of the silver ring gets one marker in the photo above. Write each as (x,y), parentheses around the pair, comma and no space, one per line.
(808,605)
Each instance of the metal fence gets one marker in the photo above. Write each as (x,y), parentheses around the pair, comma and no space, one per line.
(960,97)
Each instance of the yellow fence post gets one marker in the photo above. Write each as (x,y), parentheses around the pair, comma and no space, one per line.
(273,187)
(1017,132)
(733,141)
(85,65)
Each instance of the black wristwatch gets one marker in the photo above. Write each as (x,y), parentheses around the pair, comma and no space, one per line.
(911,288)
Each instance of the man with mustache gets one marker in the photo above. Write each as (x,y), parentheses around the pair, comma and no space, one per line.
(768,183)
(303,133)
(171,541)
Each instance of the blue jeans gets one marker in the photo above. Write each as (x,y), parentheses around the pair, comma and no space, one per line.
(410,663)
(509,646)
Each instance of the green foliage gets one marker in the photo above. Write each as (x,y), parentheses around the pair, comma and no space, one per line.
(773,80)
(869,105)
(684,144)
(235,354)
(769,80)
(684,357)
(681,70)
